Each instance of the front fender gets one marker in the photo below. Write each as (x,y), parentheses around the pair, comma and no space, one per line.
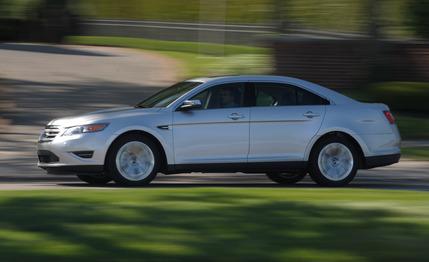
(164,139)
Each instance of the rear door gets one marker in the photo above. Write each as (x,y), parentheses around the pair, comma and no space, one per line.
(283,121)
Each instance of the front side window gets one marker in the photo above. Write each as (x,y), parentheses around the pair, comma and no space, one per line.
(276,94)
(222,96)
(169,95)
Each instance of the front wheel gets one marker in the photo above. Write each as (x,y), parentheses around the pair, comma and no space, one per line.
(286,178)
(133,160)
(333,162)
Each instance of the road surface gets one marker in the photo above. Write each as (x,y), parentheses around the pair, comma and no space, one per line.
(406,175)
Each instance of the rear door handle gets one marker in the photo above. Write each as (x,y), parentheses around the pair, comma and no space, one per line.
(310,114)
(235,116)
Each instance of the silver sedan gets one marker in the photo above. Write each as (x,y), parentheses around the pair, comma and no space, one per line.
(284,127)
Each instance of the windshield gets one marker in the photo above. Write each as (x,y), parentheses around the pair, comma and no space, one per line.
(168,95)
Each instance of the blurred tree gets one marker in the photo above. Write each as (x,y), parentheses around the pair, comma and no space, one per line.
(54,20)
(374,14)
(280,19)
(375,33)
(419,17)
(37,20)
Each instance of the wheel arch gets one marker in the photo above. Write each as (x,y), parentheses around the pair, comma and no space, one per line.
(164,160)
(353,138)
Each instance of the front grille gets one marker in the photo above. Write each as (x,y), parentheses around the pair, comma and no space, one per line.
(49,134)
(46,156)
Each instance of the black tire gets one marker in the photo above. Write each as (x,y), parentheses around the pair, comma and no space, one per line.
(286,178)
(315,170)
(112,170)
(95,179)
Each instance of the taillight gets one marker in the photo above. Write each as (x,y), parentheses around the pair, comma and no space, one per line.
(389,117)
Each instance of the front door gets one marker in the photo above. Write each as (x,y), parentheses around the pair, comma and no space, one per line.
(218,132)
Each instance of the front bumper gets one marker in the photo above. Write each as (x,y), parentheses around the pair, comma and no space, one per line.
(63,155)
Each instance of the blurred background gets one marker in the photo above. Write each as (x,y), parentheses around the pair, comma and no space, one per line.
(65,57)
(372,50)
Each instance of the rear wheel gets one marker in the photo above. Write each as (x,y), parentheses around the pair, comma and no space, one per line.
(95,179)
(333,162)
(286,178)
(133,160)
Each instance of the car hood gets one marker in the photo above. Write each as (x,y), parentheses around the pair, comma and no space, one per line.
(103,116)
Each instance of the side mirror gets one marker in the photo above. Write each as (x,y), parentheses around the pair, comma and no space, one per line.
(190,104)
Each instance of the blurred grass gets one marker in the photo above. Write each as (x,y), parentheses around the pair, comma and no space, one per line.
(198,58)
(236,224)
(413,126)
(206,65)
(161,45)
(416,153)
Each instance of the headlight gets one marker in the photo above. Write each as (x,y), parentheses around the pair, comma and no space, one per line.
(75,130)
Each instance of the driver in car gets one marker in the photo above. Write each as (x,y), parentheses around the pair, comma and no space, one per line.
(227,98)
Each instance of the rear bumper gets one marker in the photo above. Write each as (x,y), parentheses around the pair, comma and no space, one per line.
(383,160)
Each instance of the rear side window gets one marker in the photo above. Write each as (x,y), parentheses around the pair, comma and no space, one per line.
(276,94)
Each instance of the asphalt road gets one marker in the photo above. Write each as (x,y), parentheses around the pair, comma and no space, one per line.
(41,82)
(406,175)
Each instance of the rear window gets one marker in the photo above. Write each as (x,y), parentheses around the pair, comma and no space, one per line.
(276,94)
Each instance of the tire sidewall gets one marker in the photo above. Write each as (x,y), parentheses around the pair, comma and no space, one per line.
(314,168)
(112,170)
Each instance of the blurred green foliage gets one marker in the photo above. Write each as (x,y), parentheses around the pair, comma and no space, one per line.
(419,17)
(415,153)
(403,96)
(412,126)
(176,223)
(27,9)
(251,11)
(338,15)
(398,17)
(37,20)
(411,97)
(18,9)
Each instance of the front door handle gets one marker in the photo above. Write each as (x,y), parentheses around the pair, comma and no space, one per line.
(310,114)
(235,116)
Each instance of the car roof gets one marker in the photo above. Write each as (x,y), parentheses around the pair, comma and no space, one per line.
(332,95)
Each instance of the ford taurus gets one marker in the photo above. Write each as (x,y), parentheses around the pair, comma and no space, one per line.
(284,127)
